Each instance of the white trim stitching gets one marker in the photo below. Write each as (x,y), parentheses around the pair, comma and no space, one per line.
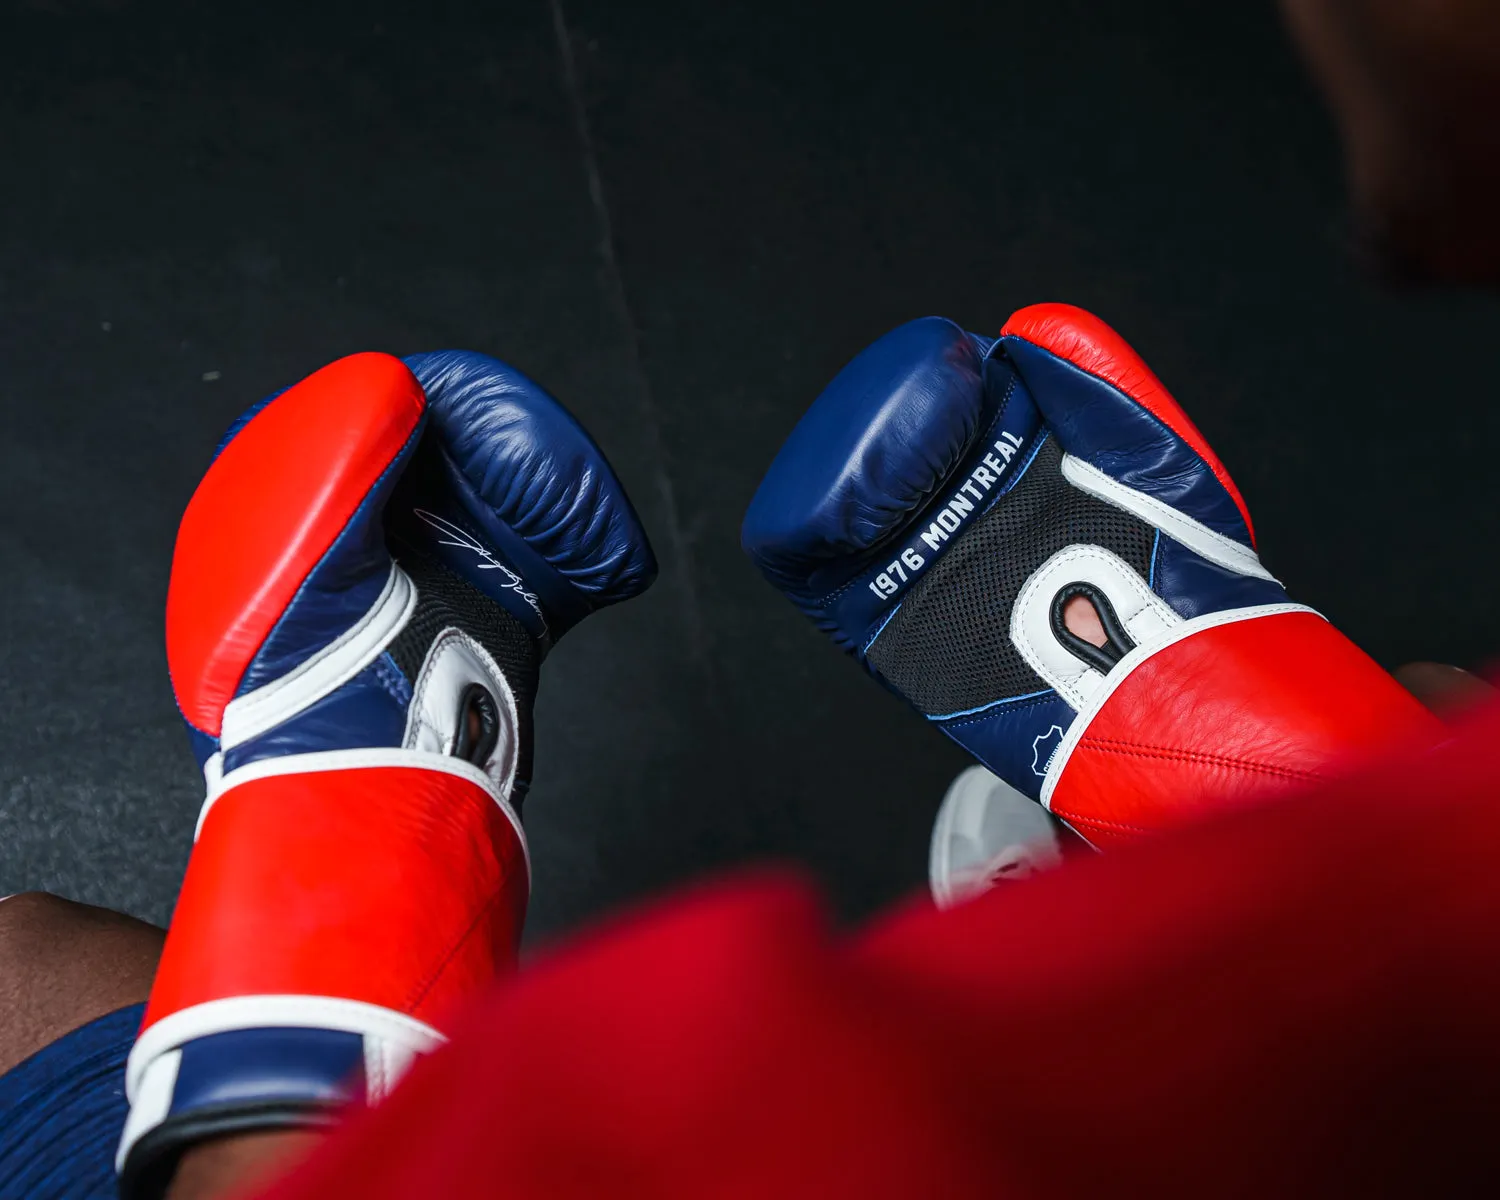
(276,1012)
(373,757)
(252,714)
(1177,525)
(1141,611)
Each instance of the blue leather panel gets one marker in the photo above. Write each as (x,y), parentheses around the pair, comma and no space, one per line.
(1193,586)
(1100,424)
(985,345)
(338,591)
(1014,739)
(874,447)
(203,745)
(440,514)
(256,1066)
(369,710)
(926,375)
(853,614)
(531,472)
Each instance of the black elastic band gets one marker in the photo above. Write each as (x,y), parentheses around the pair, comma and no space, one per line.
(477,748)
(1117,643)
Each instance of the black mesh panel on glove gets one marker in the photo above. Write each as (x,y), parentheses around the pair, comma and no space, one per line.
(948,647)
(445,601)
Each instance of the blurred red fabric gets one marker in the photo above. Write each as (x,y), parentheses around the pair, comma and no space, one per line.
(1297,999)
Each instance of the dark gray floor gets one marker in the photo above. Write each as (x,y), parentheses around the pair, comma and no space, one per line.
(684,225)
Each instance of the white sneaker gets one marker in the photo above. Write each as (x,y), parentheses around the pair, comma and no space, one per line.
(987,833)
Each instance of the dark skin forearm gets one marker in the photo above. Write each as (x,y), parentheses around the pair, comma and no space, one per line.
(63,964)
(240,1164)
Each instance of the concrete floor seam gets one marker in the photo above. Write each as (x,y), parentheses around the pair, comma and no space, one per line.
(618,298)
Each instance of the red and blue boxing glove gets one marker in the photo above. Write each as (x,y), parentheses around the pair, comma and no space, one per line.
(363,590)
(949,496)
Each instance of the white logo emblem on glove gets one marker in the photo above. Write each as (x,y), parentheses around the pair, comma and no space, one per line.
(1044,749)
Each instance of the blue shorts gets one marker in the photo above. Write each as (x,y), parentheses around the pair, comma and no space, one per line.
(62,1110)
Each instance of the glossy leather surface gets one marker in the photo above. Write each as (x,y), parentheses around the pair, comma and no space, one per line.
(871,451)
(1108,428)
(896,432)
(1015,739)
(295,482)
(399,887)
(823,528)
(532,478)
(284,1066)
(1232,714)
(1077,336)
(369,710)
(283,547)
(1194,586)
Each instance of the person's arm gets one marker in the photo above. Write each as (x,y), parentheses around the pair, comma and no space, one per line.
(229,1165)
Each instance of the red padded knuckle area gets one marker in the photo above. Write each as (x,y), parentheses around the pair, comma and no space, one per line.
(1090,344)
(1237,713)
(399,887)
(269,508)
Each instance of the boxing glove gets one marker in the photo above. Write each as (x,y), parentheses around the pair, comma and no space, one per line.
(364,586)
(949,499)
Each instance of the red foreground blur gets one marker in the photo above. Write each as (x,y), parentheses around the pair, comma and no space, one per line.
(1301,999)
